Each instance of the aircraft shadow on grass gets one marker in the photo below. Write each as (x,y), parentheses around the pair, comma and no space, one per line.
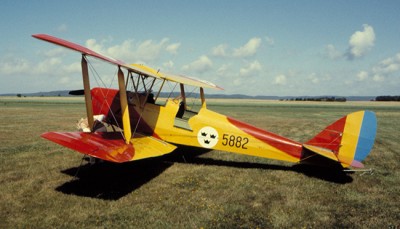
(111,181)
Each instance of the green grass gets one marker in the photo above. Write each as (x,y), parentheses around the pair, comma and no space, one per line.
(42,185)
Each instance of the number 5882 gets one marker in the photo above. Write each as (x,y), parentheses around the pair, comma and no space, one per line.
(234,141)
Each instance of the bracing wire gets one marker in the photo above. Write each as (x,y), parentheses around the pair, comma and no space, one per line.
(99,80)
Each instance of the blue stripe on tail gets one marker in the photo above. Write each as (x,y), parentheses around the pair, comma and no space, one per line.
(367,136)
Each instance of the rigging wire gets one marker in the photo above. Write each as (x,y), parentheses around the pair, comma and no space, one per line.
(97,78)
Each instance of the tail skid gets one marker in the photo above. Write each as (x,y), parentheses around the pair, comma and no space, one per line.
(348,141)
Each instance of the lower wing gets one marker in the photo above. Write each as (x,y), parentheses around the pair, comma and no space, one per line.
(111,146)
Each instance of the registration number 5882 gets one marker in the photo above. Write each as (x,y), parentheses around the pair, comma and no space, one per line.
(234,141)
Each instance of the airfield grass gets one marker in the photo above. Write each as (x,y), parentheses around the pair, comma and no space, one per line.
(42,185)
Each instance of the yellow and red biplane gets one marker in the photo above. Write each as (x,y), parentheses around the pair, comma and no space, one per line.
(126,125)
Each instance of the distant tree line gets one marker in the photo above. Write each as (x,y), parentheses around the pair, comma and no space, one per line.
(388,98)
(319,99)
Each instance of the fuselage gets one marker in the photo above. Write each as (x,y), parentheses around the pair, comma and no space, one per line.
(174,123)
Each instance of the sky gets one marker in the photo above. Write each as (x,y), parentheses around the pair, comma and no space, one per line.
(283,48)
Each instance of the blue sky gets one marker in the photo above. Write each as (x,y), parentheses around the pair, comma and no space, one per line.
(285,48)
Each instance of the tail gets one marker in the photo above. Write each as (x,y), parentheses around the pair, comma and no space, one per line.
(348,141)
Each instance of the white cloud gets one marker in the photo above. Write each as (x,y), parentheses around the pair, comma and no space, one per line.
(386,68)
(313,78)
(331,52)
(280,80)
(169,64)
(223,70)
(48,65)
(131,51)
(123,51)
(251,69)
(55,52)
(378,78)
(72,68)
(94,45)
(237,82)
(173,48)
(249,49)
(388,65)
(220,50)
(10,66)
(202,64)
(68,81)
(362,75)
(361,42)
(148,50)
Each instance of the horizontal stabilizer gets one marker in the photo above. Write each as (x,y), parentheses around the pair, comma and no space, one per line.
(110,146)
(321,151)
(331,155)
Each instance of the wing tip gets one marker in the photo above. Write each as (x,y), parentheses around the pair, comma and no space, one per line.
(107,146)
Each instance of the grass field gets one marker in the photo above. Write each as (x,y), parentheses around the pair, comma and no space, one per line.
(42,185)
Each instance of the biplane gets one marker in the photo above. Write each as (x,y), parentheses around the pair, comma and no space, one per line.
(131,123)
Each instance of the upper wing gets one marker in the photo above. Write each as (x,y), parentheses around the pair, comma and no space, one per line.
(136,68)
(111,146)
(191,81)
(177,78)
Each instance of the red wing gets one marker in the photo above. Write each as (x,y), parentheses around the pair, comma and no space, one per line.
(76,47)
(106,146)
